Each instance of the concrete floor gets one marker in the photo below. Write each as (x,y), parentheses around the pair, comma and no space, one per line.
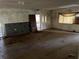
(42,45)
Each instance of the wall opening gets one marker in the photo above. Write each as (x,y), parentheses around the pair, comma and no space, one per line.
(38,22)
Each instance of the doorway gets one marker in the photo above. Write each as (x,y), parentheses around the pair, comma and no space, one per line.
(38,22)
(32,21)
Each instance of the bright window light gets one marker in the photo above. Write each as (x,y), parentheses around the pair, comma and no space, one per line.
(67,19)
(38,21)
(77,15)
(45,19)
(37,18)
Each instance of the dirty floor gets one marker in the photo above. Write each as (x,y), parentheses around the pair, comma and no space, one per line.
(41,45)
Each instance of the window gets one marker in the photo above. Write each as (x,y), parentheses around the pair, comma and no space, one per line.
(44,19)
(67,18)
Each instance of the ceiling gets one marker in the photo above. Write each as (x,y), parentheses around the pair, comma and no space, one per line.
(37,4)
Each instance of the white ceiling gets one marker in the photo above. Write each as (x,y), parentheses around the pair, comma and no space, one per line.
(36,4)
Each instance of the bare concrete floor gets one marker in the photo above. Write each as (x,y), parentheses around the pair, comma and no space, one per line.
(41,45)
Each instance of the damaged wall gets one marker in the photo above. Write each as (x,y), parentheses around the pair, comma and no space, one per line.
(13,16)
(21,15)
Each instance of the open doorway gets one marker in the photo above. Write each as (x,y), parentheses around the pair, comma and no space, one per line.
(41,22)
(32,21)
(38,22)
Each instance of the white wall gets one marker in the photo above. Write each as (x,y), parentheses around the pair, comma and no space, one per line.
(14,15)
(56,24)
(21,15)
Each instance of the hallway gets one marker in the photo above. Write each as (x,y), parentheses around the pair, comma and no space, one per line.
(41,45)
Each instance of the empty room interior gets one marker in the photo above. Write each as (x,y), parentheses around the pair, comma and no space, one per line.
(39,29)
